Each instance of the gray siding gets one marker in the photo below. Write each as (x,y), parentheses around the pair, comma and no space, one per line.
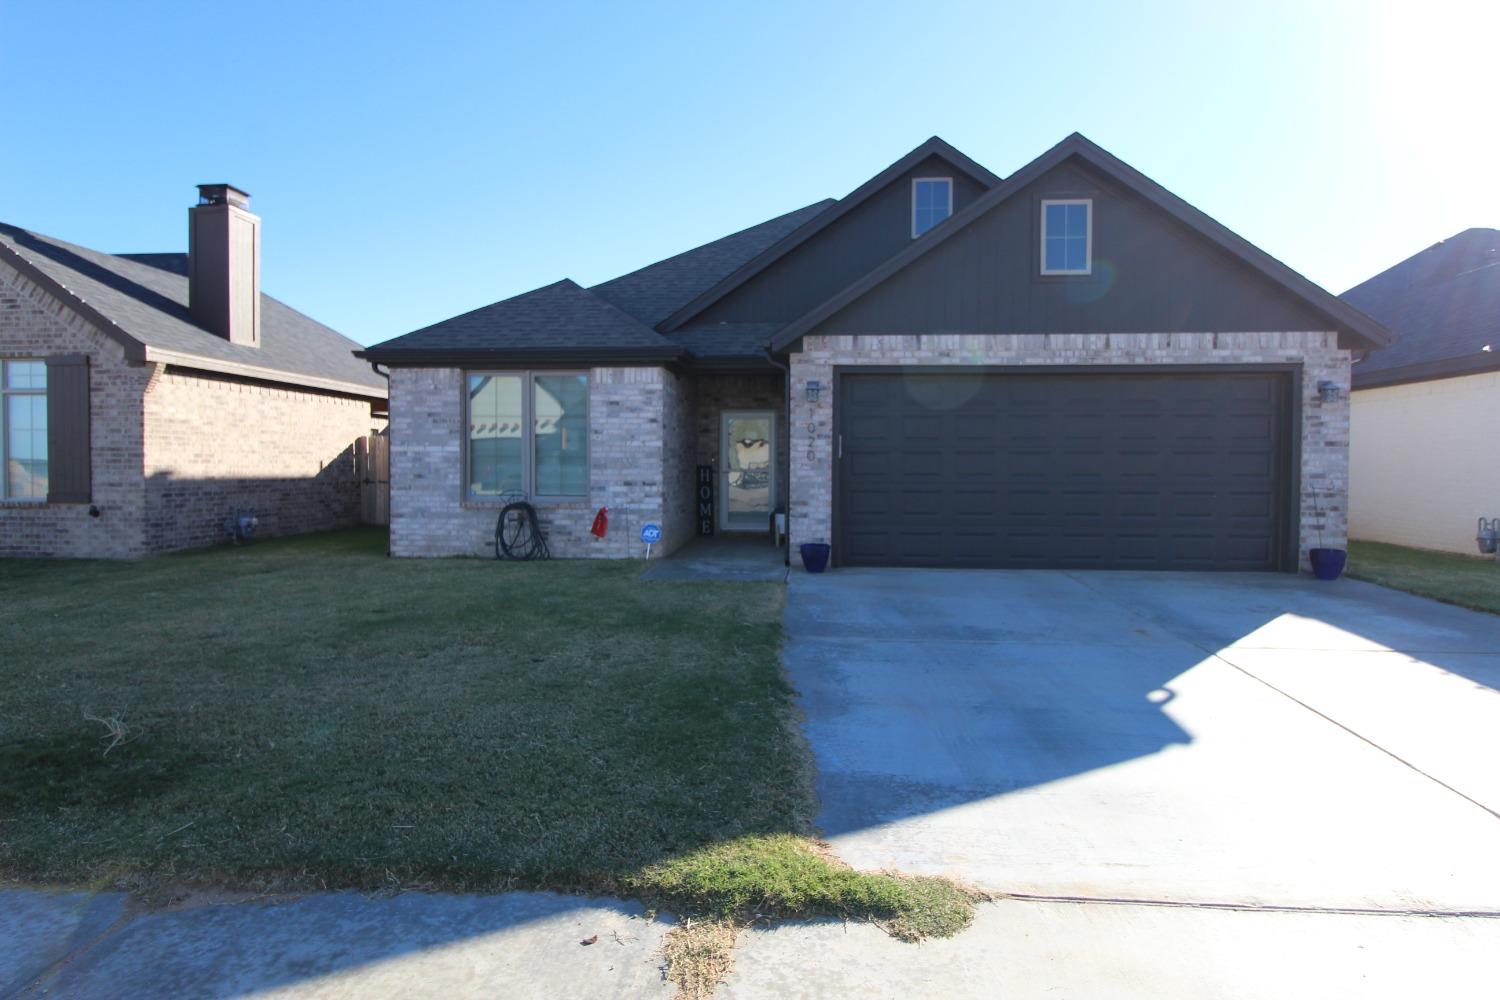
(835,258)
(1151,275)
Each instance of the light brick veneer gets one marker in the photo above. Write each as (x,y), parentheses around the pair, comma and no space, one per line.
(632,411)
(1324,432)
(173,453)
(216,445)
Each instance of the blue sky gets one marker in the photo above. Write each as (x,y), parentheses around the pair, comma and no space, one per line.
(414,161)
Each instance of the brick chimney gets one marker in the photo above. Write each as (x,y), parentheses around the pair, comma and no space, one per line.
(224,264)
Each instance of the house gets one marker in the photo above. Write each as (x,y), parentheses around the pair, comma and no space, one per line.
(1423,449)
(148,398)
(1067,367)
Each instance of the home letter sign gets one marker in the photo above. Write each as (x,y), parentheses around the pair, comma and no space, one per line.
(705,500)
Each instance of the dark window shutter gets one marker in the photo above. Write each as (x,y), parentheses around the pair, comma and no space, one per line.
(68,428)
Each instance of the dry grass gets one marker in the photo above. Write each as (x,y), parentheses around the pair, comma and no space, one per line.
(700,956)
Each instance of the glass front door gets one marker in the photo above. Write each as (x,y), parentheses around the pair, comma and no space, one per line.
(747,480)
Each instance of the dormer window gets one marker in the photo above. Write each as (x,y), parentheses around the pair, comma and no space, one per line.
(931,202)
(1067,236)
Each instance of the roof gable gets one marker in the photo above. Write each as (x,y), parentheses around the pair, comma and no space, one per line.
(796,274)
(141,301)
(1443,304)
(1356,329)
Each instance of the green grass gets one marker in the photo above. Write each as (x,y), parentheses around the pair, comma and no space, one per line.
(1467,581)
(309,713)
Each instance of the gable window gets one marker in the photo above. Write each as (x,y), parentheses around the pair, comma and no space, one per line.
(528,433)
(23,429)
(1068,236)
(931,202)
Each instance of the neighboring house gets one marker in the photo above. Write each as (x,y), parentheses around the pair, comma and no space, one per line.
(1070,367)
(148,397)
(1424,461)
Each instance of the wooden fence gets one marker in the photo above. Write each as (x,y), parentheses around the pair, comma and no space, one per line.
(372,461)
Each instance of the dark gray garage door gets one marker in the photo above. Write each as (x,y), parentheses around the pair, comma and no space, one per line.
(1064,469)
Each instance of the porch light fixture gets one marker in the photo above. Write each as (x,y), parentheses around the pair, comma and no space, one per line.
(814,389)
(1328,392)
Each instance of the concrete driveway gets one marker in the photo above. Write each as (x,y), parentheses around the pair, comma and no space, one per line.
(1114,746)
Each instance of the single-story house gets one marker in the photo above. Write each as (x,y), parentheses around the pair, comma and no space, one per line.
(1066,367)
(148,398)
(1423,461)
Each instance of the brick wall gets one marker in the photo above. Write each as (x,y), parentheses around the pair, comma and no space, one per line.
(214,446)
(33,324)
(1324,432)
(629,410)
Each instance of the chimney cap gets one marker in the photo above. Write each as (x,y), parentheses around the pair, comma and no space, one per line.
(221,194)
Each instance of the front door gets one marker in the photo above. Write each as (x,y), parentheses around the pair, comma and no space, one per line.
(747,480)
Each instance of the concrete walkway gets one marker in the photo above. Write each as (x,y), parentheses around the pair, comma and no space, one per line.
(337,945)
(733,558)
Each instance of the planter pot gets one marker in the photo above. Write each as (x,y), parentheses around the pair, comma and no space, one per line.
(815,556)
(1327,564)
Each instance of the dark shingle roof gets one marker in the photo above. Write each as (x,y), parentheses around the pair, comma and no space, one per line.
(1444,306)
(558,317)
(654,292)
(145,296)
(614,317)
(726,340)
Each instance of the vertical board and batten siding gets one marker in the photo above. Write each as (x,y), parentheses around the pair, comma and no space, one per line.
(853,246)
(1151,274)
(69,471)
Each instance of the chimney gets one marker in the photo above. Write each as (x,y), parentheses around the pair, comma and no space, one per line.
(224,264)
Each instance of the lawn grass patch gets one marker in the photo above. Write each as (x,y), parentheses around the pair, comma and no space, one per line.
(1467,581)
(309,713)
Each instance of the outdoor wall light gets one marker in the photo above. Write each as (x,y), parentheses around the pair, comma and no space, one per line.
(1328,392)
(814,389)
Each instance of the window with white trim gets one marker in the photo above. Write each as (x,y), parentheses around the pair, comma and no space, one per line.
(931,202)
(528,433)
(23,429)
(1067,236)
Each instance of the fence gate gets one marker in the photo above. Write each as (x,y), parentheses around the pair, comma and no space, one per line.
(372,461)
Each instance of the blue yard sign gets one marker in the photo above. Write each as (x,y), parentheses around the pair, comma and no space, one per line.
(650,534)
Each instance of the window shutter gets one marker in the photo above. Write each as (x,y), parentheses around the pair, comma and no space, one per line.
(68,471)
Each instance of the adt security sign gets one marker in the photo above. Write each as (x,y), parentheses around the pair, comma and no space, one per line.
(650,534)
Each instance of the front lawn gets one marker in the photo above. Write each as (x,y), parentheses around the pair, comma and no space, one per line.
(309,713)
(1467,581)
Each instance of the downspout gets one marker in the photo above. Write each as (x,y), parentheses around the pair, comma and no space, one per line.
(786,394)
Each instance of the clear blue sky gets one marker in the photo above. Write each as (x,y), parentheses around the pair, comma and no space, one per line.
(415,160)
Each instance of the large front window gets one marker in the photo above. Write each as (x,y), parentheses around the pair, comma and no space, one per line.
(528,433)
(23,430)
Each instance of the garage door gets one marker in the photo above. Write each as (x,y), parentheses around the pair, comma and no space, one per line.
(1064,469)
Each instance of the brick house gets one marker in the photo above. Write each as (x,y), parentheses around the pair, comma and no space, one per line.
(1068,367)
(148,397)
